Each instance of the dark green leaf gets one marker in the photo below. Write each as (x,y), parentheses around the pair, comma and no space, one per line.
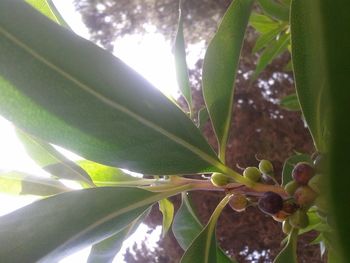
(289,253)
(186,227)
(180,61)
(203,248)
(54,227)
(262,23)
(51,160)
(25,184)
(274,9)
(76,95)
(203,117)
(220,67)
(106,250)
(167,209)
(290,102)
(265,38)
(289,164)
(270,53)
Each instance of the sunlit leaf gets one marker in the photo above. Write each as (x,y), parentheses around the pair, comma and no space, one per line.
(220,67)
(289,164)
(180,61)
(266,38)
(262,23)
(106,250)
(167,209)
(203,248)
(47,157)
(76,95)
(290,102)
(52,228)
(274,9)
(20,183)
(289,253)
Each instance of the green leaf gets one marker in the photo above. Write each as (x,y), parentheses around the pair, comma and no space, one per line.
(290,102)
(203,248)
(167,209)
(103,175)
(203,117)
(270,53)
(20,183)
(220,67)
(275,10)
(44,8)
(51,160)
(76,95)
(186,227)
(180,62)
(54,227)
(266,38)
(289,164)
(310,67)
(262,23)
(289,253)
(106,250)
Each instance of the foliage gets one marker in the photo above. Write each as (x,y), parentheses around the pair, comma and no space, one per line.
(74,94)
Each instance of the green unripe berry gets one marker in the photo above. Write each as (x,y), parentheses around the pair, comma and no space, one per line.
(322,204)
(299,219)
(304,196)
(252,173)
(266,167)
(315,183)
(286,227)
(238,202)
(219,179)
(291,187)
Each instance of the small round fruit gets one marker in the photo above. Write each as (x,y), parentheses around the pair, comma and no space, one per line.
(289,207)
(266,167)
(315,183)
(299,219)
(219,179)
(238,202)
(286,227)
(270,203)
(304,196)
(252,173)
(321,204)
(302,173)
(291,187)
(280,216)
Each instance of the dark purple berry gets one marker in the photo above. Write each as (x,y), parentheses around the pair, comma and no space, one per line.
(302,173)
(270,203)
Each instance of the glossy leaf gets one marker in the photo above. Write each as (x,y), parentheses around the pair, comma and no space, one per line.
(265,38)
(274,9)
(309,67)
(220,67)
(262,23)
(290,102)
(270,53)
(186,228)
(203,248)
(289,253)
(47,157)
(167,209)
(19,183)
(75,219)
(180,61)
(289,164)
(106,250)
(76,95)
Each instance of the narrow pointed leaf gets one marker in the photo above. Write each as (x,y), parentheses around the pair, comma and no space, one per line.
(186,227)
(47,157)
(76,95)
(274,9)
(44,8)
(263,24)
(220,67)
(52,228)
(203,248)
(106,250)
(289,253)
(19,183)
(289,164)
(290,102)
(265,38)
(167,209)
(180,61)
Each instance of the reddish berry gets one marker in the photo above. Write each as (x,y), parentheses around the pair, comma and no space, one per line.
(302,173)
(304,196)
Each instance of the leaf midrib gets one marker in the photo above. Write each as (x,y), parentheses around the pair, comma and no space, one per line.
(109,102)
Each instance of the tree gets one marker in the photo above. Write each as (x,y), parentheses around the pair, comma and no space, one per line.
(126,130)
